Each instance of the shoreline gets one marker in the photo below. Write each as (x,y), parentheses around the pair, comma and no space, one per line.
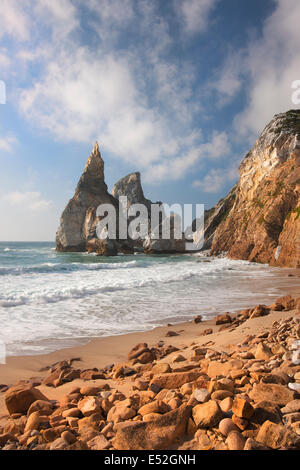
(71,343)
(109,391)
(102,351)
(115,346)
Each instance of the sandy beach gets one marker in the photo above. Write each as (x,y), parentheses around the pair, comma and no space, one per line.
(100,352)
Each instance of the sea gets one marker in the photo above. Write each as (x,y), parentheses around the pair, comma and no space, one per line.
(51,300)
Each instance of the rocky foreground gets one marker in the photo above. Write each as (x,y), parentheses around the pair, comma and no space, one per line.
(197,397)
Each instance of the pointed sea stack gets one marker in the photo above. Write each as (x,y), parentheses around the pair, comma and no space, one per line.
(78,221)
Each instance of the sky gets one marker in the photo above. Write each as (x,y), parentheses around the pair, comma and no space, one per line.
(176,89)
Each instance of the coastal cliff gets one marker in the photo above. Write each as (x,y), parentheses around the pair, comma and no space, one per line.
(261,219)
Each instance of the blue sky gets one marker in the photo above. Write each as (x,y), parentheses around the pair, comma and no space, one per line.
(176,89)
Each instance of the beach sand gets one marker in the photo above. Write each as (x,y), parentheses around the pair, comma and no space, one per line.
(101,352)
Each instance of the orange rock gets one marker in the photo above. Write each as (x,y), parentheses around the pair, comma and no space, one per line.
(216,368)
(288,302)
(33,421)
(175,379)
(223,319)
(278,394)
(242,408)
(89,405)
(153,435)
(138,350)
(19,398)
(263,352)
(207,415)
(226,425)
(155,406)
(120,413)
(44,407)
(98,443)
(235,441)
(277,436)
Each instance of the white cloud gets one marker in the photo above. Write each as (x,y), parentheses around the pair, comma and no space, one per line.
(28,201)
(216,179)
(113,11)
(27,216)
(60,15)
(7,143)
(228,81)
(5,60)
(273,64)
(176,168)
(137,102)
(195,14)
(85,94)
(13,20)
(266,69)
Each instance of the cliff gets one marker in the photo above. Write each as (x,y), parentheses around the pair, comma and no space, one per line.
(262,222)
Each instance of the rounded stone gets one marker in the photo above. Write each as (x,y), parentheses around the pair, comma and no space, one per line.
(235,441)
(226,426)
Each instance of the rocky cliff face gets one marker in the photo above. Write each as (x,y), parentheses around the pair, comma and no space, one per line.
(78,221)
(262,221)
(131,187)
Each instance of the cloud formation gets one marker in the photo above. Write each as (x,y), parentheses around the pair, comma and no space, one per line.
(6,144)
(195,14)
(216,179)
(137,102)
(265,70)
(24,213)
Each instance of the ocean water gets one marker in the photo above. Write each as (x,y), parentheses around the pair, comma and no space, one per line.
(50,300)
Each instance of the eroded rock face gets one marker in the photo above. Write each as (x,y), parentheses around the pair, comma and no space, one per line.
(263,224)
(78,221)
(131,187)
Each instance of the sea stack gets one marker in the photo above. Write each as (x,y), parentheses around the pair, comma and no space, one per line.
(131,187)
(78,221)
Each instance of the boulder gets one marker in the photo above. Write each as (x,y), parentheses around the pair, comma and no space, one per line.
(161,368)
(152,435)
(223,319)
(277,436)
(251,444)
(89,406)
(137,350)
(175,379)
(266,411)
(44,407)
(216,368)
(19,398)
(226,425)
(33,421)
(201,395)
(242,408)
(156,406)
(260,311)
(278,394)
(98,443)
(91,374)
(291,407)
(262,352)
(120,413)
(207,415)
(235,441)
